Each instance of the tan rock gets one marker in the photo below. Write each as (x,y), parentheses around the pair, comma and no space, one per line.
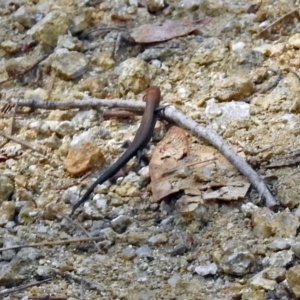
(293,280)
(83,157)
(233,88)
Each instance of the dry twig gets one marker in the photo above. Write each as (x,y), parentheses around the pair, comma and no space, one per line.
(54,243)
(24,143)
(278,20)
(22,287)
(71,277)
(177,117)
(76,224)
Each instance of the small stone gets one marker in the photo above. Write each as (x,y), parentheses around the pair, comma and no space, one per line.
(82,21)
(179,249)
(120,224)
(233,88)
(281,244)
(155,5)
(275,273)
(260,222)
(18,65)
(137,238)
(293,280)
(296,248)
(258,282)
(236,259)
(174,280)
(7,209)
(38,93)
(83,157)
(69,65)
(253,294)
(6,188)
(10,46)
(294,41)
(95,86)
(270,49)
(22,265)
(158,239)
(144,251)
(28,215)
(104,61)
(23,16)
(69,42)
(284,224)
(60,115)
(135,75)
(128,253)
(279,259)
(237,46)
(211,51)
(64,128)
(47,31)
(207,268)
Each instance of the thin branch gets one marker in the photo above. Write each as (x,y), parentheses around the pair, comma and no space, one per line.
(76,224)
(177,117)
(24,143)
(23,287)
(54,243)
(278,20)
(13,118)
(71,277)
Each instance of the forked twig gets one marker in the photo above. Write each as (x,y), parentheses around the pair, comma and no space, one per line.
(180,119)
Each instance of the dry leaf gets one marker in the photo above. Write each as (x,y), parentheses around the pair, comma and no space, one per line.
(199,170)
(151,33)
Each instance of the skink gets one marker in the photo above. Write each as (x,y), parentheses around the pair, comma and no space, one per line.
(140,141)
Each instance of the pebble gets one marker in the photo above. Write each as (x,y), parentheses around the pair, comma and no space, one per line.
(135,75)
(233,88)
(96,86)
(236,259)
(274,273)
(154,6)
(120,224)
(128,253)
(69,42)
(83,157)
(10,46)
(294,41)
(223,114)
(279,259)
(259,282)
(24,16)
(69,65)
(22,265)
(38,93)
(281,244)
(158,239)
(293,280)
(137,238)
(6,188)
(85,119)
(144,251)
(7,209)
(207,268)
(28,214)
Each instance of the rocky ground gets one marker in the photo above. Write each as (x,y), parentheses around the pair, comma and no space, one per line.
(229,75)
